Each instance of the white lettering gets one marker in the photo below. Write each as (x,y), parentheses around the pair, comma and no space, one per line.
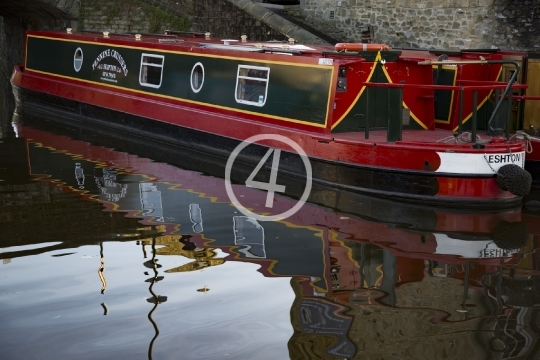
(326,61)
(113,54)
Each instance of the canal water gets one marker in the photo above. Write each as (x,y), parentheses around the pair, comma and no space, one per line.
(115,247)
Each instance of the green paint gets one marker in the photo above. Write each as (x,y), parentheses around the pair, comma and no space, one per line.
(370,56)
(484,113)
(443,98)
(294,92)
(377,107)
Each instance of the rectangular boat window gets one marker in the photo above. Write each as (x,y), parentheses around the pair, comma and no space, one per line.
(151,70)
(252,85)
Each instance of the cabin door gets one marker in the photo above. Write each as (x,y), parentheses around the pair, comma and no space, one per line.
(443,75)
(375,107)
(380,104)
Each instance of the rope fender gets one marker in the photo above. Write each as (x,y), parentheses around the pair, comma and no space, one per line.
(513,178)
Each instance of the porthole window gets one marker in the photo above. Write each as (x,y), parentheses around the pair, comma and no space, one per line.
(78,59)
(197,77)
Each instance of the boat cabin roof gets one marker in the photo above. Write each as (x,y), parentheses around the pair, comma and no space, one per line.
(199,42)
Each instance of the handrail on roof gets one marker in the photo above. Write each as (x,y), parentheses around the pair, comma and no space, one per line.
(342,53)
(185,33)
(285,51)
(248,48)
(92,32)
(101,33)
(153,35)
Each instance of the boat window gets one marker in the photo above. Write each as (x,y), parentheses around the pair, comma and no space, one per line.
(78,59)
(197,77)
(252,85)
(151,70)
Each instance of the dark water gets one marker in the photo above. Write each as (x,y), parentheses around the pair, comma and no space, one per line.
(119,248)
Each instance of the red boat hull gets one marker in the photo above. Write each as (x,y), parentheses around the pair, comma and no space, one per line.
(401,170)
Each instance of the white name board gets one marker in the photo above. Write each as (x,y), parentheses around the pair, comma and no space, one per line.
(462,163)
(326,61)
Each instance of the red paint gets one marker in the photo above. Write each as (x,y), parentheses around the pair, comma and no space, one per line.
(448,220)
(416,152)
(400,155)
(357,73)
(410,247)
(419,101)
(471,188)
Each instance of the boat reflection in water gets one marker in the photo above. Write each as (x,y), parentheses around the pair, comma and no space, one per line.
(371,279)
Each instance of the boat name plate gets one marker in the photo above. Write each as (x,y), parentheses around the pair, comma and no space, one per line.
(326,61)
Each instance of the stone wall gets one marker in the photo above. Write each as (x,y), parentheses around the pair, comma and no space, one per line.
(219,17)
(124,16)
(516,24)
(448,24)
(224,20)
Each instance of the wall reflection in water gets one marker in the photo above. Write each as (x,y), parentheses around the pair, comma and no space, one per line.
(369,282)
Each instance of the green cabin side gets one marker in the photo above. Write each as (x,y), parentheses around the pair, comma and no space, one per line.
(286,91)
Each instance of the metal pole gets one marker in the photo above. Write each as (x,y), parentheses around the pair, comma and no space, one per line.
(395,124)
(497,98)
(400,135)
(506,92)
(460,125)
(509,116)
(366,129)
(474,116)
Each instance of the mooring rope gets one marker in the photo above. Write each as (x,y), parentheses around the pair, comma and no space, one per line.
(521,135)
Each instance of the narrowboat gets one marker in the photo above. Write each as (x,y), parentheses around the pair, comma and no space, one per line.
(420,126)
